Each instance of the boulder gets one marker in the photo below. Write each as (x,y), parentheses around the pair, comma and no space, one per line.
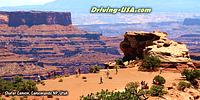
(140,44)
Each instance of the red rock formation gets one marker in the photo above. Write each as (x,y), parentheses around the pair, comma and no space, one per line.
(31,18)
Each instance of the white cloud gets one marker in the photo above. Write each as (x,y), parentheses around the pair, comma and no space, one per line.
(23,2)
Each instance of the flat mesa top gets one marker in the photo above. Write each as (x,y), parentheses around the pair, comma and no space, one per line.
(32,11)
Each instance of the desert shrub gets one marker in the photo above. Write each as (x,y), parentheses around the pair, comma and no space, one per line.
(192,76)
(84,77)
(43,83)
(131,93)
(13,98)
(57,99)
(182,85)
(67,75)
(159,80)
(107,95)
(127,58)
(94,69)
(85,81)
(119,62)
(58,76)
(60,80)
(134,85)
(22,98)
(50,96)
(1,98)
(110,78)
(151,62)
(18,84)
(157,90)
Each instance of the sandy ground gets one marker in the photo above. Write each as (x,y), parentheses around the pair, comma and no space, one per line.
(77,86)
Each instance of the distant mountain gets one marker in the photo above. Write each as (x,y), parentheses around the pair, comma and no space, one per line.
(83,6)
(162,10)
(192,21)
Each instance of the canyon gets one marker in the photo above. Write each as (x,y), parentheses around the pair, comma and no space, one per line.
(39,48)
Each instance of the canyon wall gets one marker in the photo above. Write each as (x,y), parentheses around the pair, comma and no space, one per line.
(30,18)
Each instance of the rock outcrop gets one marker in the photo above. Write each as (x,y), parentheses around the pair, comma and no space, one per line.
(140,44)
(30,18)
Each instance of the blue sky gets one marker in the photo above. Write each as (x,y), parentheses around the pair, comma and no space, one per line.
(84,5)
(171,10)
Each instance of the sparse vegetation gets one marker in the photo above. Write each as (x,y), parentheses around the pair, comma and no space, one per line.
(85,81)
(131,93)
(94,69)
(192,76)
(84,77)
(1,98)
(182,85)
(110,78)
(132,85)
(159,80)
(50,96)
(43,83)
(17,84)
(151,62)
(13,98)
(157,90)
(67,75)
(119,62)
(60,80)
(57,99)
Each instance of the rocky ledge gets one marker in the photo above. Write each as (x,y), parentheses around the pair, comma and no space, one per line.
(140,44)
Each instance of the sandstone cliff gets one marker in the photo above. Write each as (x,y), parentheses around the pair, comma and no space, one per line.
(30,18)
(140,44)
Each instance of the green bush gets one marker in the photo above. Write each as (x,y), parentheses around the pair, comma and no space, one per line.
(1,98)
(159,80)
(132,85)
(182,85)
(94,69)
(151,62)
(157,90)
(131,93)
(119,62)
(107,95)
(192,76)
(18,84)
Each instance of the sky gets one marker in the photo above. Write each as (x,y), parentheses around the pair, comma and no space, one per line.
(171,10)
(84,5)
(23,2)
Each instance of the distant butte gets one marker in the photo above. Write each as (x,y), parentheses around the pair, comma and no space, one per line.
(30,18)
